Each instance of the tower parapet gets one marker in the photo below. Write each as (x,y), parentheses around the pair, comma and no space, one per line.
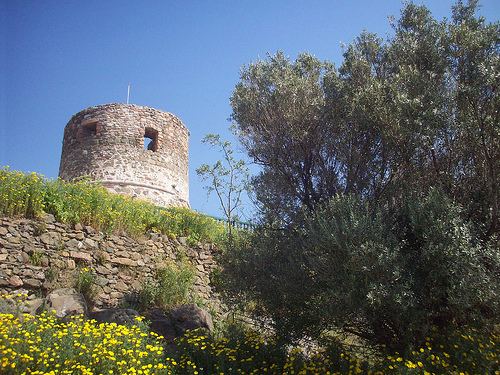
(132,150)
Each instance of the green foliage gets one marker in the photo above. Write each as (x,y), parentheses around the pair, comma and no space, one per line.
(51,273)
(383,179)
(414,266)
(90,204)
(373,271)
(40,228)
(419,108)
(35,258)
(170,287)
(279,110)
(234,250)
(84,284)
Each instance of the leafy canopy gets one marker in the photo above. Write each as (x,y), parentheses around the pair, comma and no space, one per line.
(383,179)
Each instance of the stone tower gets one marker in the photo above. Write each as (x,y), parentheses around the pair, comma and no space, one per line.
(132,150)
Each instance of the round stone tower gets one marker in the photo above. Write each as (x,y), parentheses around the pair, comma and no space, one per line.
(132,150)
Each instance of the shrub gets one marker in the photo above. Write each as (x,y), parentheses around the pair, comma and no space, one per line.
(170,287)
(373,271)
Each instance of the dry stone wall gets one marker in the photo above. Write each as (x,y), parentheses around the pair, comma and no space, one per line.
(39,256)
(133,150)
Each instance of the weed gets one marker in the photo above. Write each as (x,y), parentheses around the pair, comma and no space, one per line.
(85,284)
(170,287)
(51,273)
(40,228)
(102,257)
(35,258)
(60,243)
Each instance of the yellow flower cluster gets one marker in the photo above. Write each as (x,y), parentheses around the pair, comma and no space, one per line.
(20,194)
(461,351)
(42,345)
(89,203)
(254,353)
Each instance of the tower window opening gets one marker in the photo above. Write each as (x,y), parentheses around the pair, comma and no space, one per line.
(88,129)
(151,139)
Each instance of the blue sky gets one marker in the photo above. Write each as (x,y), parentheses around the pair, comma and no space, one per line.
(60,57)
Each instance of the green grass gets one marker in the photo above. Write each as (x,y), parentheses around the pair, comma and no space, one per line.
(31,195)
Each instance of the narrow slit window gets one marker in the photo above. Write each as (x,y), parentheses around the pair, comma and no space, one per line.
(151,139)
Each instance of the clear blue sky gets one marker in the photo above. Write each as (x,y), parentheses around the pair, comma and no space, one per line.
(60,57)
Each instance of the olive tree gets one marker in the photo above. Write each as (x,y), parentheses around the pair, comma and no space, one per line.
(383,177)
(420,108)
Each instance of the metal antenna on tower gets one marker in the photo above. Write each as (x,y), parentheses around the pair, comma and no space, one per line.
(128,92)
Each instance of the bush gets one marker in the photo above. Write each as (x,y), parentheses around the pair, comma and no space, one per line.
(170,287)
(373,271)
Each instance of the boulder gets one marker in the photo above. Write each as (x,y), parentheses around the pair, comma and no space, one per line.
(80,256)
(31,307)
(89,229)
(124,262)
(50,238)
(160,324)
(7,306)
(15,281)
(32,283)
(190,317)
(66,303)
(48,218)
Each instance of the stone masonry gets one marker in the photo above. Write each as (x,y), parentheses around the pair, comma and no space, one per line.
(132,150)
(39,256)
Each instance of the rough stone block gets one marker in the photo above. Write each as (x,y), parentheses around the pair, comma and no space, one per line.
(32,283)
(124,262)
(78,255)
